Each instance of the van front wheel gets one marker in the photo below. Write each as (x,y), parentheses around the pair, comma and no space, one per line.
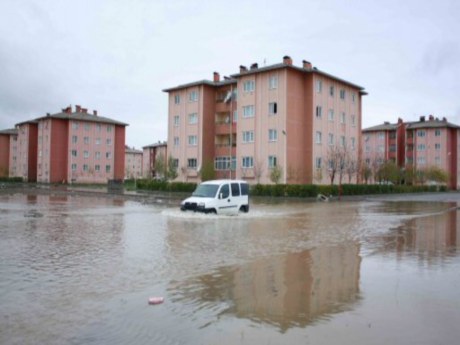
(244,208)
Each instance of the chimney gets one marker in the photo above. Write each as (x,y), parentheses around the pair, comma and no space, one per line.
(77,108)
(254,66)
(243,69)
(84,110)
(444,119)
(287,60)
(307,65)
(386,122)
(400,120)
(431,117)
(95,112)
(422,118)
(216,77)
(226,78)
(67,110)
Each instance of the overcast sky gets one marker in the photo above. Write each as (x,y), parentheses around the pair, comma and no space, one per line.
(117,56)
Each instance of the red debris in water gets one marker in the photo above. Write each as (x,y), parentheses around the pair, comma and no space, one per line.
(156,300)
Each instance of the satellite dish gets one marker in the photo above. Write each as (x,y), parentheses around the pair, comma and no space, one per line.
(228,97)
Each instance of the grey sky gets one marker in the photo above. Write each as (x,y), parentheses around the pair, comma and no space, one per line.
(117,56)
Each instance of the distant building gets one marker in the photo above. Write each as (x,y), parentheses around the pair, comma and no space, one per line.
(133,163)
(150,155)
(8,152)
(417,145)
(278,116)
(71,147)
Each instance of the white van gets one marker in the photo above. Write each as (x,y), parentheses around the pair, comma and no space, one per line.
(219,196)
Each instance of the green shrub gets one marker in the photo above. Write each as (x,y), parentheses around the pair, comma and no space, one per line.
(11,179)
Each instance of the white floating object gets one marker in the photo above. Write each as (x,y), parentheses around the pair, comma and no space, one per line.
(156,300)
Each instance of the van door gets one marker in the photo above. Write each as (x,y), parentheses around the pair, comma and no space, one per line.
(225,201)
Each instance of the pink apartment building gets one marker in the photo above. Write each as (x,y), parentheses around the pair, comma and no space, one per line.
(420,144)
(133,163)
(150,155)
(279,115)
(8,152)
(71,147)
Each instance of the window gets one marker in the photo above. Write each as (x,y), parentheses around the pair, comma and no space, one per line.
(368,148)
(191,163)
(331,90)
(86,154)
(109,128)
(175,163)
(108,155)
(437,146)
(319,86)
(248,162)
(176,99)
(98,127)
(331,115)
(193,96)
(87,126)
(97,167)
(319,111)
(342,94)
(271,162)
(193,118)
(421,134)
(74,153)
(235,189)
(272,135)
(74,124)
(381,135)
(176,120)
(224,192)
(85,167)
(176,141)
(318,162)
(437,160)
(342,117)
(249,86)
(392,148)
(74,139)
(107,168)
(222,163)
(97,155)
(353,97)
(235,116)
(342,141)
(380,148)
(421,160)
(318,137)
(86,140)
(108,141)
(421,147)
(437,132)
(353,120)
(272,108)
(273,82)
(248,111)
(74,167)
(352,143)
(248,136)
(330,139)
(192,140)
(98,141)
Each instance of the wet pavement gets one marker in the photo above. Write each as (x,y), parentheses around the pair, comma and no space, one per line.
(79,269)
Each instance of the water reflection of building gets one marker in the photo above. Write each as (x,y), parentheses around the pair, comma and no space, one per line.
(429,238)
(286,291)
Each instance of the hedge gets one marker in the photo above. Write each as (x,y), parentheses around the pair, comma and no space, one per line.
(149,184)
(11,179)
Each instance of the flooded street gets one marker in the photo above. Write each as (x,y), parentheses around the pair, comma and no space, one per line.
(80,270)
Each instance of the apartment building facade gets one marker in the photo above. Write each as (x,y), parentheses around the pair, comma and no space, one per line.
(133,163)
(280,116)
(150,153)
(417,145)
(8,151)
(71,146)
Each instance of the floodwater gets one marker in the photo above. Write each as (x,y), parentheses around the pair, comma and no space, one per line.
(80,270)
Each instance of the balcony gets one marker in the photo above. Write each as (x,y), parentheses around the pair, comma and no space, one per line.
(224,150)
(224,127)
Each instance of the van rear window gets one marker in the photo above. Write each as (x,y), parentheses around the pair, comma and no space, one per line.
(235,189)
(244,189)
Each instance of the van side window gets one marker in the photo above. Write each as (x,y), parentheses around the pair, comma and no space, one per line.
(244,189)
(235,189)
(225,191)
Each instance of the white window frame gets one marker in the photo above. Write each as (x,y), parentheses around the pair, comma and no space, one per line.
(247,162)
(193,96)
(193,118)
(249,86)
(176,99)
(176,141)
(273,82)
(248,137)
(319,111)
(331,139)
(176,120)
(330,115)
(272,135)
(318,137)
(248,111)
(192,163)
(318,86)
(192,140)
(272,108)
(272,161)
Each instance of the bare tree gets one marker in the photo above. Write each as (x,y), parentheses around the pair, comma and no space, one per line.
(258,170)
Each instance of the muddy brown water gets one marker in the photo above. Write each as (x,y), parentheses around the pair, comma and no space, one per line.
(80,270)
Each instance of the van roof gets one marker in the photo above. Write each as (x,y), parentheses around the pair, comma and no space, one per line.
(223,181)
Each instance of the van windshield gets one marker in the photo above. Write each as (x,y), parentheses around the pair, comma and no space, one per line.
(206,191)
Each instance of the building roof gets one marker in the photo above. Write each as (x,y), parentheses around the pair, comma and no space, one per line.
(130,150)
(201,82)
(435,123)
(250,71)
(80,116)
(159,144)
(386,126)
(10,131)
